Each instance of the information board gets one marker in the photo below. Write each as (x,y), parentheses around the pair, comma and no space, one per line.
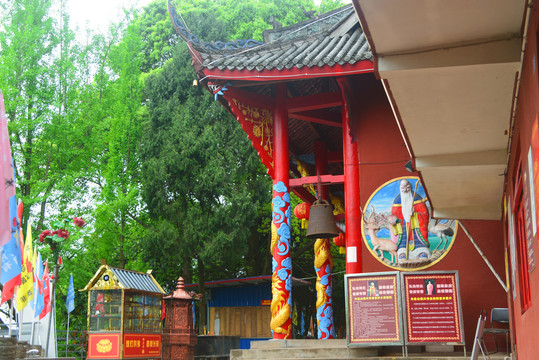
(433,311)
(373,307)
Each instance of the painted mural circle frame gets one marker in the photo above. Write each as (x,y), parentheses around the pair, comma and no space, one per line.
(436,256)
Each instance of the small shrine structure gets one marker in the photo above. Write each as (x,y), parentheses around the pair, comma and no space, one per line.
(124,314)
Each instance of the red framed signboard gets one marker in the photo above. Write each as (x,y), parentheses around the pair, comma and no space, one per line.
(104,346)
(373,308)
(433,310)
(142,345)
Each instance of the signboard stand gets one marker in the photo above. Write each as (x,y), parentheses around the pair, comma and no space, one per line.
(374,310)
(392,308)
(431,300)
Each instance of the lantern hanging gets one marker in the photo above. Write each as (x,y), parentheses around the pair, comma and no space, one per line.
(301,211)
(340,242)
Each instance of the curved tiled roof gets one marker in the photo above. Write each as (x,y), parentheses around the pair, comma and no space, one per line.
(331,38)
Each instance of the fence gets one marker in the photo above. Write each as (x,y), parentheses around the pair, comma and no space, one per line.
(77,344)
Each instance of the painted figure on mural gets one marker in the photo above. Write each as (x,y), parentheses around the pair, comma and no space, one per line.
(429,287)
(373,289)
(409,222)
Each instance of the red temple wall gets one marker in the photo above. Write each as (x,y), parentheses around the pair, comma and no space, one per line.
(525,323)
(381,146)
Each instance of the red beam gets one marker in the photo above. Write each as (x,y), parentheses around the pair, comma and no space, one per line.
(303,194)
(320,117)
(314,102)
(361,67)
(313,180)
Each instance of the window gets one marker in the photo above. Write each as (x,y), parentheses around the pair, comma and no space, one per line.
(105,307)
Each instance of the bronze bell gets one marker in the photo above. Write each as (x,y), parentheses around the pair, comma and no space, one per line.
(321,221)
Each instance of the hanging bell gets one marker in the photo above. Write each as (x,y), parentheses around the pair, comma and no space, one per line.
(321,221)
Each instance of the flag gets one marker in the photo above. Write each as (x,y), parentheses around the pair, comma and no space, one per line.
(10,273)
(70,301)
(38,286)
(46,292)
(26,290)
(6,171)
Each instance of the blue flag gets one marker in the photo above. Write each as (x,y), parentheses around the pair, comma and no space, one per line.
(39,296)
(70,301)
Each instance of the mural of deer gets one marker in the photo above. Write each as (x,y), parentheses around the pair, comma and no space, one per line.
(373,224)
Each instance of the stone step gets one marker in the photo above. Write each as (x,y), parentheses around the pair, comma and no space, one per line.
(304,353)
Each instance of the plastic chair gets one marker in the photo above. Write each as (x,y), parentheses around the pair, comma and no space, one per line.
(500,316)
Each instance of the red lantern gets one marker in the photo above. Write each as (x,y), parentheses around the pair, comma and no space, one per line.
(301,211)
(340,241)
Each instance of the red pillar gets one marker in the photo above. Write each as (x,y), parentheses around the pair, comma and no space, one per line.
(351,190)
(281,303)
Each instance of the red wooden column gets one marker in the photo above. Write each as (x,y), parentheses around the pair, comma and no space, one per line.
(281,303)
(323,262)
(352,203)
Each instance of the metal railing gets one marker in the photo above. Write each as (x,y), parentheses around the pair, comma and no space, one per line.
(77,344)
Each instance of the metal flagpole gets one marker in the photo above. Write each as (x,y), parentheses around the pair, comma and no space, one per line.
(10,317)
(67,334)
(33,320)
(52,308)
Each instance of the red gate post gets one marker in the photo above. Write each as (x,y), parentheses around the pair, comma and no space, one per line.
(179,338)
(353,216)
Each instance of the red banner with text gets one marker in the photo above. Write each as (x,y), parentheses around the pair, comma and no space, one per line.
(142,345)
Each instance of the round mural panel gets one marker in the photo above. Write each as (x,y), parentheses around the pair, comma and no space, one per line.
(398,229)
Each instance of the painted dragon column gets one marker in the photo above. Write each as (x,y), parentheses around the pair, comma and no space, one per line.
(281,286)
(323,262)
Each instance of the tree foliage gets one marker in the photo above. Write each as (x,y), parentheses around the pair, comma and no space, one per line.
(109,127)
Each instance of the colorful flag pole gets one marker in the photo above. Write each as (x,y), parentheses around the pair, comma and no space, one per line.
(70,306)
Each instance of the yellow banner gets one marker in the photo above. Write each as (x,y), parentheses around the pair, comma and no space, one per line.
(26,291)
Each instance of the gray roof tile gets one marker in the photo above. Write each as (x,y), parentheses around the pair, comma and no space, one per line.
(135,280)
(332,38)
